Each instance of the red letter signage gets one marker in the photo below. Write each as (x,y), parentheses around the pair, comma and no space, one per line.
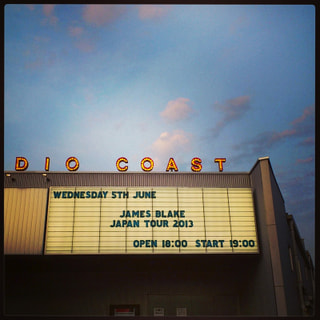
(122,159)
(220,161)
(147,159)
(76,165)
(72,164)
(172,165)
(196,165)
(21,164)
(47,164)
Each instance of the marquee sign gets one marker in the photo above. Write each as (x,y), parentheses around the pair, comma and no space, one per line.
(146,164)
(157,220)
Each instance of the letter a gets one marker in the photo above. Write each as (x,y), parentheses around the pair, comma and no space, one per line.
(171,165)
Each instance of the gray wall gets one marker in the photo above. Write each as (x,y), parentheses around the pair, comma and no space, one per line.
(259,297)
(285,241)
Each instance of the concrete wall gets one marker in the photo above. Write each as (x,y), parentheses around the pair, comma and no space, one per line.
(285,242)
(291,277)
(259,297)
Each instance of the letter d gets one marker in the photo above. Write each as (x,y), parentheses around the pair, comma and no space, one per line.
(21,164)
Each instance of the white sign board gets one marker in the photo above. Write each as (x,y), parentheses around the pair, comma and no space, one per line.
(155,220)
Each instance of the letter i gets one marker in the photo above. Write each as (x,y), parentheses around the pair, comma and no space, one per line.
(47,164)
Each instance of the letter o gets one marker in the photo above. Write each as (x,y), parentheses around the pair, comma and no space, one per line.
(122,159)
(147,159)
(75,167)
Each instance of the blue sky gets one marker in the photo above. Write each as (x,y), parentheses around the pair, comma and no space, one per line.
(102,82)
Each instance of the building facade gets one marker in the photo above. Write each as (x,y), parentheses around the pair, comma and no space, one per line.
(153,244)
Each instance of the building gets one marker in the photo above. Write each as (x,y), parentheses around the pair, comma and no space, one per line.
(153,244)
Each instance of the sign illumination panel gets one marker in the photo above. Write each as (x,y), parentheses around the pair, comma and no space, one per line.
(157,220)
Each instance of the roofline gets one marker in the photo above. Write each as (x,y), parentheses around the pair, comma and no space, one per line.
(125,172)
(258,161)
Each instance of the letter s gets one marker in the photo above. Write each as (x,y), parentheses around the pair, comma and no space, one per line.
(196,165)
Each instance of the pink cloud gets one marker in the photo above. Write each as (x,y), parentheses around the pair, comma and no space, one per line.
(102,14)
(85,45)
(307,160)
(169,144)
(264,141)
(232,109)
(75,31)
(152,11)
(300,128)
(48,10)
(177,110)
(307,142)
(306,113)
(276,136)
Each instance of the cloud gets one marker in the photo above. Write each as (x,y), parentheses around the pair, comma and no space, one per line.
(232,110)
(277,136)
(307,142)
(152,11)
(169,144)
(48,10)
(301,127)
(75,31)
(307,112)
(177,110)
(307,160)
(99,15)
(264,141)
(81,42)
(85,45)
(304,125)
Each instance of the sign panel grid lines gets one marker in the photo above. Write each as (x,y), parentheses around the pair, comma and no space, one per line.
(150,220)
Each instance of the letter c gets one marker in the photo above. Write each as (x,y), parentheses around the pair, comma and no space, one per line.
(122,159)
